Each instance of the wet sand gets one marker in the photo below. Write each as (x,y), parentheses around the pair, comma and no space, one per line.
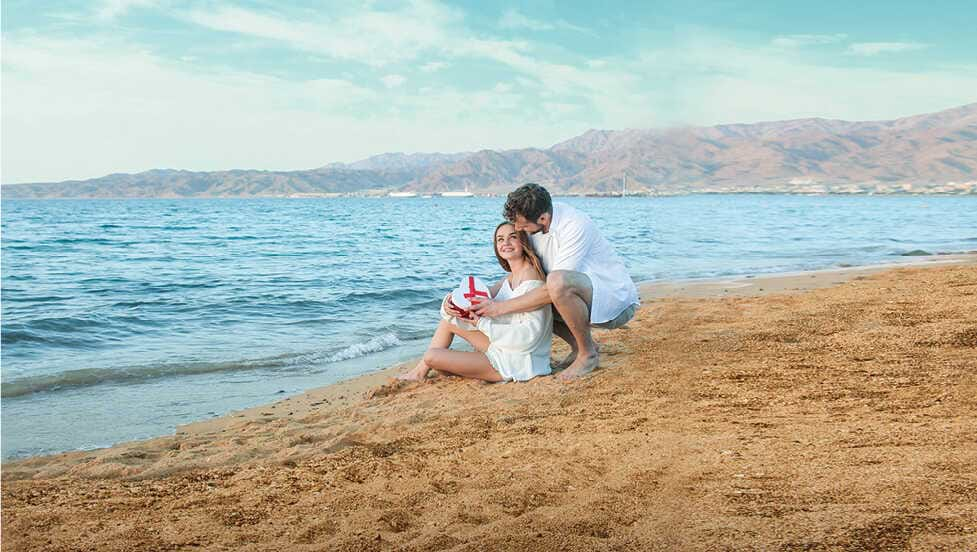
(823,410)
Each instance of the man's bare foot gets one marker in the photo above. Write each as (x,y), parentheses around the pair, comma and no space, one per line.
(565,363)
(568,360)
(583,365)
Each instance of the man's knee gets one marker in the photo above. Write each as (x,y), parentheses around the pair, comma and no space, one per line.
(561,283)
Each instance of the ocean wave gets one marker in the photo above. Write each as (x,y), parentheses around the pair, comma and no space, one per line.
(87,377)
(375,345)
(98,241)
(410,294)
(33,298)
(11,336)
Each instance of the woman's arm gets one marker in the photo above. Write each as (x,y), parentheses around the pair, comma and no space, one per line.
(517,332)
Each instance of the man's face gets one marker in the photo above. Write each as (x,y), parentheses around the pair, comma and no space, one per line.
(531,227)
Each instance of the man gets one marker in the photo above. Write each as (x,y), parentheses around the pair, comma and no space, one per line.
(586,281)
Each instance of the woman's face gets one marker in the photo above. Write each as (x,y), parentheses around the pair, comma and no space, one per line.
(507,242)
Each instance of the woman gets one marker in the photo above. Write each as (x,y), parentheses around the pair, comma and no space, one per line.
(511,347)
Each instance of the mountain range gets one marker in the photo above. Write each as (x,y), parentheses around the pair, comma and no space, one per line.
(935,152)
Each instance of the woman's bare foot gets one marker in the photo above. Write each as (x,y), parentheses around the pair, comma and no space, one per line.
(418,373)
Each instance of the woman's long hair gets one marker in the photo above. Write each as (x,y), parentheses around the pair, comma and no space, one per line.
(528,252)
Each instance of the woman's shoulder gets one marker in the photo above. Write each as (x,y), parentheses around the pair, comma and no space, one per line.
(530,278)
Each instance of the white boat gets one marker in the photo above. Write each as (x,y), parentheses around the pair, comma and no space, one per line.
(466,193)
(402,194)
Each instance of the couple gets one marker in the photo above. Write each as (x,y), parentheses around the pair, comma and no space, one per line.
(554,255)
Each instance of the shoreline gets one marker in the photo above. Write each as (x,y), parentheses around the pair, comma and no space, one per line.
(781,419)
(345,393)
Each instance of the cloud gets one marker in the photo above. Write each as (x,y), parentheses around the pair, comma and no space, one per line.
(372,37)
(876,48)
(393,81)
(69,115)
(88,107)
(707,80)
(111,9)
(73,115)
(420,29)
(513,19)
(433,66)
(800,40)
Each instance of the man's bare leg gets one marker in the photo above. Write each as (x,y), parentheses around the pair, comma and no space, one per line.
(572,294)
(563,332)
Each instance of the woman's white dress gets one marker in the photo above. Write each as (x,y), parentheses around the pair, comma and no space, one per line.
(519,343)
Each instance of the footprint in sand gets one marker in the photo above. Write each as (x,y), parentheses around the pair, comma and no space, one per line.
(392,387)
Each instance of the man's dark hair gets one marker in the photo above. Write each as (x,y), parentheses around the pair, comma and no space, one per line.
(529,200)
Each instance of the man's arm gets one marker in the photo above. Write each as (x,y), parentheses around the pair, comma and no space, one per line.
(576,239)
(524,303)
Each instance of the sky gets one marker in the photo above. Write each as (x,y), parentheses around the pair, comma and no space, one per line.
(96,87)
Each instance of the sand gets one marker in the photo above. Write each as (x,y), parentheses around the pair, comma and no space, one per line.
(828,410)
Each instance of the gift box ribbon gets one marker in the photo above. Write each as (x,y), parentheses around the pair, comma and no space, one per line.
(472,292)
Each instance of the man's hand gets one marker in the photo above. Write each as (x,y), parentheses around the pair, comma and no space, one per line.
(488,308)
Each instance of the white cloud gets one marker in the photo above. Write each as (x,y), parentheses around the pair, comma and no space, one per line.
(707,80)
(514,19)
(110,9)
(876,48)
(77,108)
(393,81)
(421,28)
(372,37)
(81,109)
(433,66)
(560,108)
(799,40)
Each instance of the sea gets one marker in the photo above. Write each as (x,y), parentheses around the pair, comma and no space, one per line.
(122,319)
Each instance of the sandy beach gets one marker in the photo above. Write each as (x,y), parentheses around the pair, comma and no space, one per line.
(811,411)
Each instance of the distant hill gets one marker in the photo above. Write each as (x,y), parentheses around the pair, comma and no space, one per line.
(922,153)
(403,161)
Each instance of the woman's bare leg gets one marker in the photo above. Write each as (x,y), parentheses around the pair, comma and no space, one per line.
(461,363)
(443,336)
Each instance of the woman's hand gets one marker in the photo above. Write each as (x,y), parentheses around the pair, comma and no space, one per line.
(452,309)
(487,308)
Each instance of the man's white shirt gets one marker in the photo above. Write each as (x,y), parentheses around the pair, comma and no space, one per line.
(574,243)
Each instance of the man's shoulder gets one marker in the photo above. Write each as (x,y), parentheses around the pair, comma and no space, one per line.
(565,216)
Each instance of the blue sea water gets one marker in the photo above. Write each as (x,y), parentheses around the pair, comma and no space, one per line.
(124,319)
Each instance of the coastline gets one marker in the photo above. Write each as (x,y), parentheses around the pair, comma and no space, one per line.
(828,410)
(345,393)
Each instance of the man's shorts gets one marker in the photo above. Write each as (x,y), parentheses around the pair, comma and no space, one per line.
(621,319)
